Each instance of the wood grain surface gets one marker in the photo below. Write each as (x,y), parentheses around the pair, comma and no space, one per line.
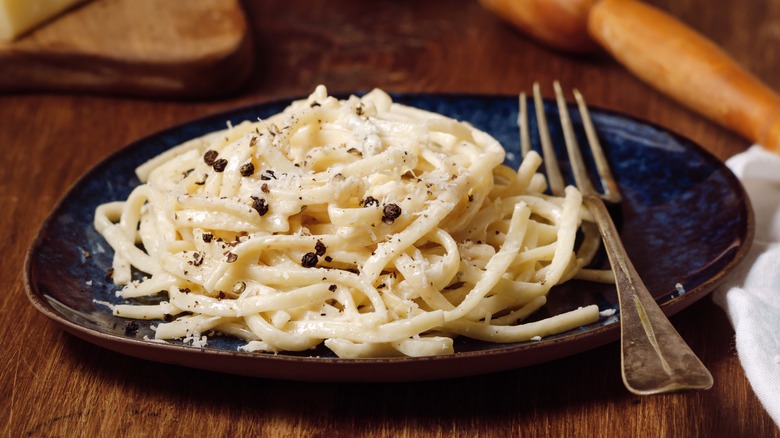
(193,49)
(55,385)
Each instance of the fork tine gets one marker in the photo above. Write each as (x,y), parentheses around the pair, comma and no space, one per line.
(554,177)
(610,188)
(522,124)
(572,147)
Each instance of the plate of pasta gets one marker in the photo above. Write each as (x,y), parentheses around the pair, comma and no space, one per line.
(373,237)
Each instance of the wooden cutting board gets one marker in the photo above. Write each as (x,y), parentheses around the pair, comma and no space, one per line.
(152,48)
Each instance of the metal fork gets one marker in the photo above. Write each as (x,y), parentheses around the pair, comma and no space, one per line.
(654,358)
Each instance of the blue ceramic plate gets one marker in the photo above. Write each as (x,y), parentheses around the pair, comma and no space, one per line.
(685,219)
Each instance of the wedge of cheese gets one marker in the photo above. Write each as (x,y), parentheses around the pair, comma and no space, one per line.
(20,16)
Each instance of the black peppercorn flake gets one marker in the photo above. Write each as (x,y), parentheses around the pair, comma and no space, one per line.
(264,188)
(332,287)
(239,287)
(207,237)
(231,257)
(319,248)
(391,212)
(210,157)
(309,260)
(267,175)
(328,259)
(131,328)
(247,169)
(219,165)
(260,205)
(370,201)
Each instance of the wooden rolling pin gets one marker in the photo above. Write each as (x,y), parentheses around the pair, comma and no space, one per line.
(661,51)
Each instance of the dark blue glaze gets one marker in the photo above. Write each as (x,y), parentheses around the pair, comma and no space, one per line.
(685,218)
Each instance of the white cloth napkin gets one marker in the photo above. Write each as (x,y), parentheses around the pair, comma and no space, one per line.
(751,294)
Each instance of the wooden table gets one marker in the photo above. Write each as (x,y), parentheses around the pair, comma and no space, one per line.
(54,384)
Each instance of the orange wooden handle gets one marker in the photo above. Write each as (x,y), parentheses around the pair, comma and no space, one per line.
(686,66)
(559,24)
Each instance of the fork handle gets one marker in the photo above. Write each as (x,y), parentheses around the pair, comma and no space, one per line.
(675,59)
(654,357)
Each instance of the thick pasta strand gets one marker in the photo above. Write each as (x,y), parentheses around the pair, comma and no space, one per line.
(370,227)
